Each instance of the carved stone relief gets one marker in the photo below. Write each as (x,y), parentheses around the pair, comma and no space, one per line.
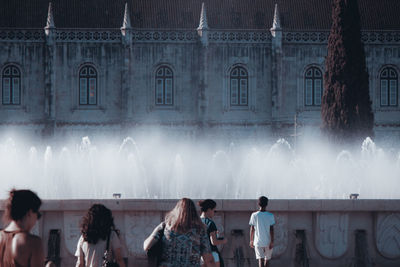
(331,234)
(388,234)
(72,231)
(280,234)
(139,225)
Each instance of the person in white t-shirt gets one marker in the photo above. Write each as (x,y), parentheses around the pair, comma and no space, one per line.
(262,232)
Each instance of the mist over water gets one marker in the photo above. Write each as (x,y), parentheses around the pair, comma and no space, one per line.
(176,168)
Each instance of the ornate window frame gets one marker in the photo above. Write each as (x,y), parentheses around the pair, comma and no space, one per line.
(87,86)
(76,104)
(238,87)
(313,78)
(164,82)
(388,79)
(175,88)
(227,88)
(19,79)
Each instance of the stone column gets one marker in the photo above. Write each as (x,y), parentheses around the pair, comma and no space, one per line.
(276,66)
(202,102)
(49,72)
(126,90)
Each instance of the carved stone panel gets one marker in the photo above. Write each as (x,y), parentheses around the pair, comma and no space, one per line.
(331,234)
(139,225)
(72,231)
(280,234)
(388,234)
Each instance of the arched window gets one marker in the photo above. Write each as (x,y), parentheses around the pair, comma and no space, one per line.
(164,92)
(239,87)
(87,86)
(313,87)
(389,87)
(11,85)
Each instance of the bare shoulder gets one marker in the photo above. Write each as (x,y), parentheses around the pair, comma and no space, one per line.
(28,241)
(29,249)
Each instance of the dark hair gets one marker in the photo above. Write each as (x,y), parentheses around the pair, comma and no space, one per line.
(20,202)
(97,223)
(262,201)
(207,204)
(184,217)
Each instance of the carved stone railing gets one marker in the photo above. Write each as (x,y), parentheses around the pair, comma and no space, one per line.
(321,37)
(22,35)
(189,36)
(88,35)
(380,37)
(185,36)
(305,36)
(243,36)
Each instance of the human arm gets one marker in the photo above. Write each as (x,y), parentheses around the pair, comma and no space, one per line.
(118,257)
(80,259)
(153,237)
(252,236)
(215,241)
(205,249)
(271,232)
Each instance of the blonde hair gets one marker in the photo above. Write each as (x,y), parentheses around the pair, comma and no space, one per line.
(184,217)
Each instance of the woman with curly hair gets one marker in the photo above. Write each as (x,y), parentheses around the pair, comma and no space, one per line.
(97,227)
(185,238)
(18,247)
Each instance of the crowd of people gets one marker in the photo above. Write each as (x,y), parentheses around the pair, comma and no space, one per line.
(186,237)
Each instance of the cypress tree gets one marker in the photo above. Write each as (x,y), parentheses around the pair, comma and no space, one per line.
(346,105)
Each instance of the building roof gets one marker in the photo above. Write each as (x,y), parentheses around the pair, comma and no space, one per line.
(185,14)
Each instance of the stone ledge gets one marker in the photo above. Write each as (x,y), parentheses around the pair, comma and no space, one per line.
(227,204)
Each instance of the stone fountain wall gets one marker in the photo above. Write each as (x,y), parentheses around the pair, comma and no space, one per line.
(308,232)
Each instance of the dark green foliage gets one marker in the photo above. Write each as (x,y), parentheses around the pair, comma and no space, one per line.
(346,104)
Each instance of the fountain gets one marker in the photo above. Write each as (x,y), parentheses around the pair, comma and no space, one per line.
(143,170)
(140,180)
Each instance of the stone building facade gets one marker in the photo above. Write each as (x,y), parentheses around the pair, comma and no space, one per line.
(223,68)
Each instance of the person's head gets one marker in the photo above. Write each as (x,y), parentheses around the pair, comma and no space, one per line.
(207,206)
(262,202)
(22,204)
(97,223)
(184,216)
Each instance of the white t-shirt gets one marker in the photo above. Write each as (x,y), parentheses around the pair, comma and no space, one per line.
(93,253)
(262,221)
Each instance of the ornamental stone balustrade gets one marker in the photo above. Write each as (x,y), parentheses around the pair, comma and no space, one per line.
(319,232)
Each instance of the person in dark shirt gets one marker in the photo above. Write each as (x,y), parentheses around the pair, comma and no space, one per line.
(208,207)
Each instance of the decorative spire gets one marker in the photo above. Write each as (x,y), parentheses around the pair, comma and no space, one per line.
(276,25)
(203,18)
(126,24)
(50,20)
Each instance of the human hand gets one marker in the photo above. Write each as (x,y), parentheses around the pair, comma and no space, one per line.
(251,244)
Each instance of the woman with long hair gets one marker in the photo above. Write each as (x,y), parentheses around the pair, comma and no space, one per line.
(97,229)
(18,247)
(185,238)
(207,207)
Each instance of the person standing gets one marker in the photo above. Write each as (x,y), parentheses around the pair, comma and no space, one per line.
(18,247)
(97,227)
(185,238)
(262,232)
(207,207)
